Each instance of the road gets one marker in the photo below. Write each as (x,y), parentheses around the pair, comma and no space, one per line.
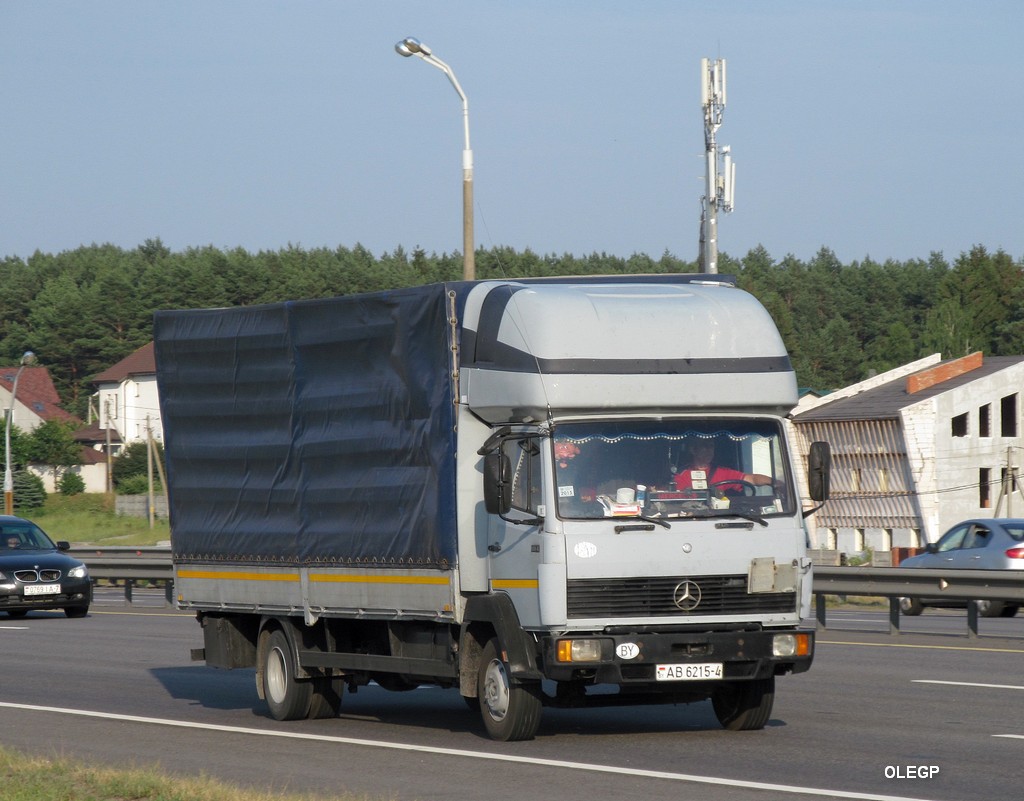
(874,718)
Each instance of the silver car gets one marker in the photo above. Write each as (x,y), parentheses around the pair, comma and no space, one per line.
(993,544)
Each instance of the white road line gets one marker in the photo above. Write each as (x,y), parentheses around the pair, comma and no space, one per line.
(970,684)
(456,752)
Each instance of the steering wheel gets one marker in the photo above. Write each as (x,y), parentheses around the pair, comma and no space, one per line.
(749,490)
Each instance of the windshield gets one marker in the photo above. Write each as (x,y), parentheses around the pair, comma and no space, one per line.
(24,536)
(671,469)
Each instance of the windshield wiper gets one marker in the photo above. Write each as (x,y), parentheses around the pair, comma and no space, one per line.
(656,520)
(730,513)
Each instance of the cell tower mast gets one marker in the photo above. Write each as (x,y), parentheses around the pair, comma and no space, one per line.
(720,181)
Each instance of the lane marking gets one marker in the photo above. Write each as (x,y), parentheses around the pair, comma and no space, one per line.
(456,752)
(927,647)
(969,684)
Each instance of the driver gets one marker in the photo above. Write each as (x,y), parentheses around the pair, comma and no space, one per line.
(703,474)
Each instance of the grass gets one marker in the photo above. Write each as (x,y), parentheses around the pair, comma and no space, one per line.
(89,518)
(33,778)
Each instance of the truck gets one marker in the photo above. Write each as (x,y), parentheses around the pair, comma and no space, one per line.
(484,486)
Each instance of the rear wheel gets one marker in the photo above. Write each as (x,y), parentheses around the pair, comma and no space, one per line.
(287,698)
(1010,610)
(326,697)
(510,710)
(990,608)
(744,705)
(911,606)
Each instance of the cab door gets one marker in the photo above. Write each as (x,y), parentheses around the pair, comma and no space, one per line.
(514,541)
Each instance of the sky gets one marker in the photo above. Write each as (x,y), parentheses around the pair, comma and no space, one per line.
(882,129)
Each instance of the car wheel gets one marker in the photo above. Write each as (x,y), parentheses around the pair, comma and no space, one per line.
(17,612)
(1010,610)
(990,608)
(911,606)
(744,705)
(510,710)
(76,611)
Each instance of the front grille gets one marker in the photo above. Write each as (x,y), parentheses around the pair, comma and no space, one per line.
(654,597)
(47,576)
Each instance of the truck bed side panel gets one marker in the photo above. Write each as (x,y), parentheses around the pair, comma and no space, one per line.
(311,432)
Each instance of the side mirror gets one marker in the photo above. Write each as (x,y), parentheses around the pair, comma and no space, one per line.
(931,547)
(497,483)
(63,545)
(819,469)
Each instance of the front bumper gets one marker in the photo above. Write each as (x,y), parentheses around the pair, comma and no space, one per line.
(73,593)
(631,658)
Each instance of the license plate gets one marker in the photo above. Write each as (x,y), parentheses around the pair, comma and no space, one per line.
(42,589)
(689,672)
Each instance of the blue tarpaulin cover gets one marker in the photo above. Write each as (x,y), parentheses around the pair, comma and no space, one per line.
(311,432)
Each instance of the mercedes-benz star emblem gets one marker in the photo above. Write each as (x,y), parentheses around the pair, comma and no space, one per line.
(686,595)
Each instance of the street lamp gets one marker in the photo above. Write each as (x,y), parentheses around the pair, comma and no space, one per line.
(27,358)
(413,47)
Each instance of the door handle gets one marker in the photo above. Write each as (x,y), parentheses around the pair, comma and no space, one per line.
(494,548)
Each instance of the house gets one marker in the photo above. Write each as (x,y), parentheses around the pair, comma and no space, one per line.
(126,401)
(917,449)
(36,402)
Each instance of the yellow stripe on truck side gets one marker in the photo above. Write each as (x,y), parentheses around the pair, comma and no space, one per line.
(514,584)
(352,578)
(237,575)
(325,578)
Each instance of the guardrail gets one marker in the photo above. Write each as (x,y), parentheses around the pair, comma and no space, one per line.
(129,566)
(897,582)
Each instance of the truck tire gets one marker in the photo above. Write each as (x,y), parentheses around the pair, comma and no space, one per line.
(287,698)
(744,705)
(326,700)
(510,710)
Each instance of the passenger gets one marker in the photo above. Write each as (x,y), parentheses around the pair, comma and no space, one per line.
(703,474)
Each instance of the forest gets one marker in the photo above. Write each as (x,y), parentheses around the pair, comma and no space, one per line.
(82,310)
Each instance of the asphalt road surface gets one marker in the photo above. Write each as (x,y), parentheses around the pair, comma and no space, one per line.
(928,714)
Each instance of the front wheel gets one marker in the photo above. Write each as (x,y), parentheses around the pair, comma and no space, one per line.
(510,710)
(744,705)
(287,698)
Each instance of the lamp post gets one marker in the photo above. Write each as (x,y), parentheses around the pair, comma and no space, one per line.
(413,47)
(26,359)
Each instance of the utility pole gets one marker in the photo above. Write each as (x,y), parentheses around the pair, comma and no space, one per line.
(720,177)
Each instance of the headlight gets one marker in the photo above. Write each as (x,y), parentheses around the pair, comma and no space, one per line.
(79,572)
(786,645)
(578,651)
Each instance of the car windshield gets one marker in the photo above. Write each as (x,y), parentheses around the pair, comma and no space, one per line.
(666,469)
(24,536)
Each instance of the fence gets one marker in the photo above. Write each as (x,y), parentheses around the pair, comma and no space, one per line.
(129,566)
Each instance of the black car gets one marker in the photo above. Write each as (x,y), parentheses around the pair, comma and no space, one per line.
(35,573)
